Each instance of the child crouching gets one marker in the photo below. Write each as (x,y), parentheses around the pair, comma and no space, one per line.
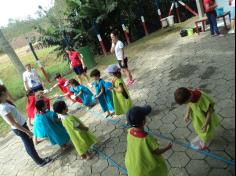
(201,111)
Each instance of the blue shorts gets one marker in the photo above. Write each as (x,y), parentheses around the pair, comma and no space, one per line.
(232,11)
(78,70)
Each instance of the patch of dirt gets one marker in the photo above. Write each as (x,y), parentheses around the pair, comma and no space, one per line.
(182,71)
(208,73)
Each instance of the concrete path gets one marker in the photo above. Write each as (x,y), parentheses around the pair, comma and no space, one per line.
(199,62)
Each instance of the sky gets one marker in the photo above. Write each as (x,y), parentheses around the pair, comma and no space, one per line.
(20,9)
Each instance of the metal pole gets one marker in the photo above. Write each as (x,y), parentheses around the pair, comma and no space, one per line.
(200,8)
(38,62)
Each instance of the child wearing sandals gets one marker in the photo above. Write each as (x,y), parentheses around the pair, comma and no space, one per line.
(103,95)
(48,126)
(200,109)
(79,134)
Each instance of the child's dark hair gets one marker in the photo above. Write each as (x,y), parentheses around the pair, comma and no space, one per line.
(74,82)
(114,33)
(40,104)
(182,95)
(29,93)
(117,74)
(59,107)
(3,89)
(57,76)
(95,73)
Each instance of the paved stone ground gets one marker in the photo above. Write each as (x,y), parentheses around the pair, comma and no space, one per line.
(203,62)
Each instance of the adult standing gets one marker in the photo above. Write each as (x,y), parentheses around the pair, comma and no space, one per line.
(118,48)
(210,8)
(31,79)
(18,124)
(77,64)
(232,6)
(9,96)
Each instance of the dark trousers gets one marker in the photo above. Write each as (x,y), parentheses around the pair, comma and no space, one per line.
(213,23)
(29,145)
(37,88)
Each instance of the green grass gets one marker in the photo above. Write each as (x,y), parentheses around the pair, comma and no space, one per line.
(55,65)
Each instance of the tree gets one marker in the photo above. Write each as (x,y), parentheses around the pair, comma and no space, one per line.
(7,49)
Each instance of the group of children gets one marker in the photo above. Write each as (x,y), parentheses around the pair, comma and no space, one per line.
(143,156)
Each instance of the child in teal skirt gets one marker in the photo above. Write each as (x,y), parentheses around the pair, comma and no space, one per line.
(47,125)
(143,156)
(79,134)
(200,109)
(82,92)
(103,94)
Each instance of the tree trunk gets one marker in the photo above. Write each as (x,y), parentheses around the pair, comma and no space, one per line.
(7,49)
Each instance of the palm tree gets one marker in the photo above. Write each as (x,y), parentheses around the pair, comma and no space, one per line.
(7,49)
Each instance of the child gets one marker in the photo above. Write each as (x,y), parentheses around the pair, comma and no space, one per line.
(80,135)
(30,107)
(40,96)
(143,156)
(61,84)
(121,98)
(201,111)
(47,125)
(103,95)
(82,92)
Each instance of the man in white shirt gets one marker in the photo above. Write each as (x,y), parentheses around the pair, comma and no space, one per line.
(232,5)
(118,48)
(32,80)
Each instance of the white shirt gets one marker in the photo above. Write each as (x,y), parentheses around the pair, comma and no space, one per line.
(6,108)
(31,78)
(233,3)
(1,83)
(118,50)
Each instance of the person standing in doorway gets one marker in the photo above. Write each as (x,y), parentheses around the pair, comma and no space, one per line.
(232,5)
(78,65)
(210,8)
(18,124)
(118,48)
(31,79)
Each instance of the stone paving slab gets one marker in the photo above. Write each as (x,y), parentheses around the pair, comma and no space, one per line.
(198,62)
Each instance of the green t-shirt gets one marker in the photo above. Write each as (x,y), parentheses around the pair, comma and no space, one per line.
(140,159)
(198,115)
(121,103)
(81,139)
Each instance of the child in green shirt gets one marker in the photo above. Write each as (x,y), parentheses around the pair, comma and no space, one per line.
(79,134)
(121,98)
(143,156)
(200,109)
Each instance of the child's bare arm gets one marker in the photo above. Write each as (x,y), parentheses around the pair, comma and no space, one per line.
(100,93)
(187,114)
(53,87)
(208,118)
(163,150)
